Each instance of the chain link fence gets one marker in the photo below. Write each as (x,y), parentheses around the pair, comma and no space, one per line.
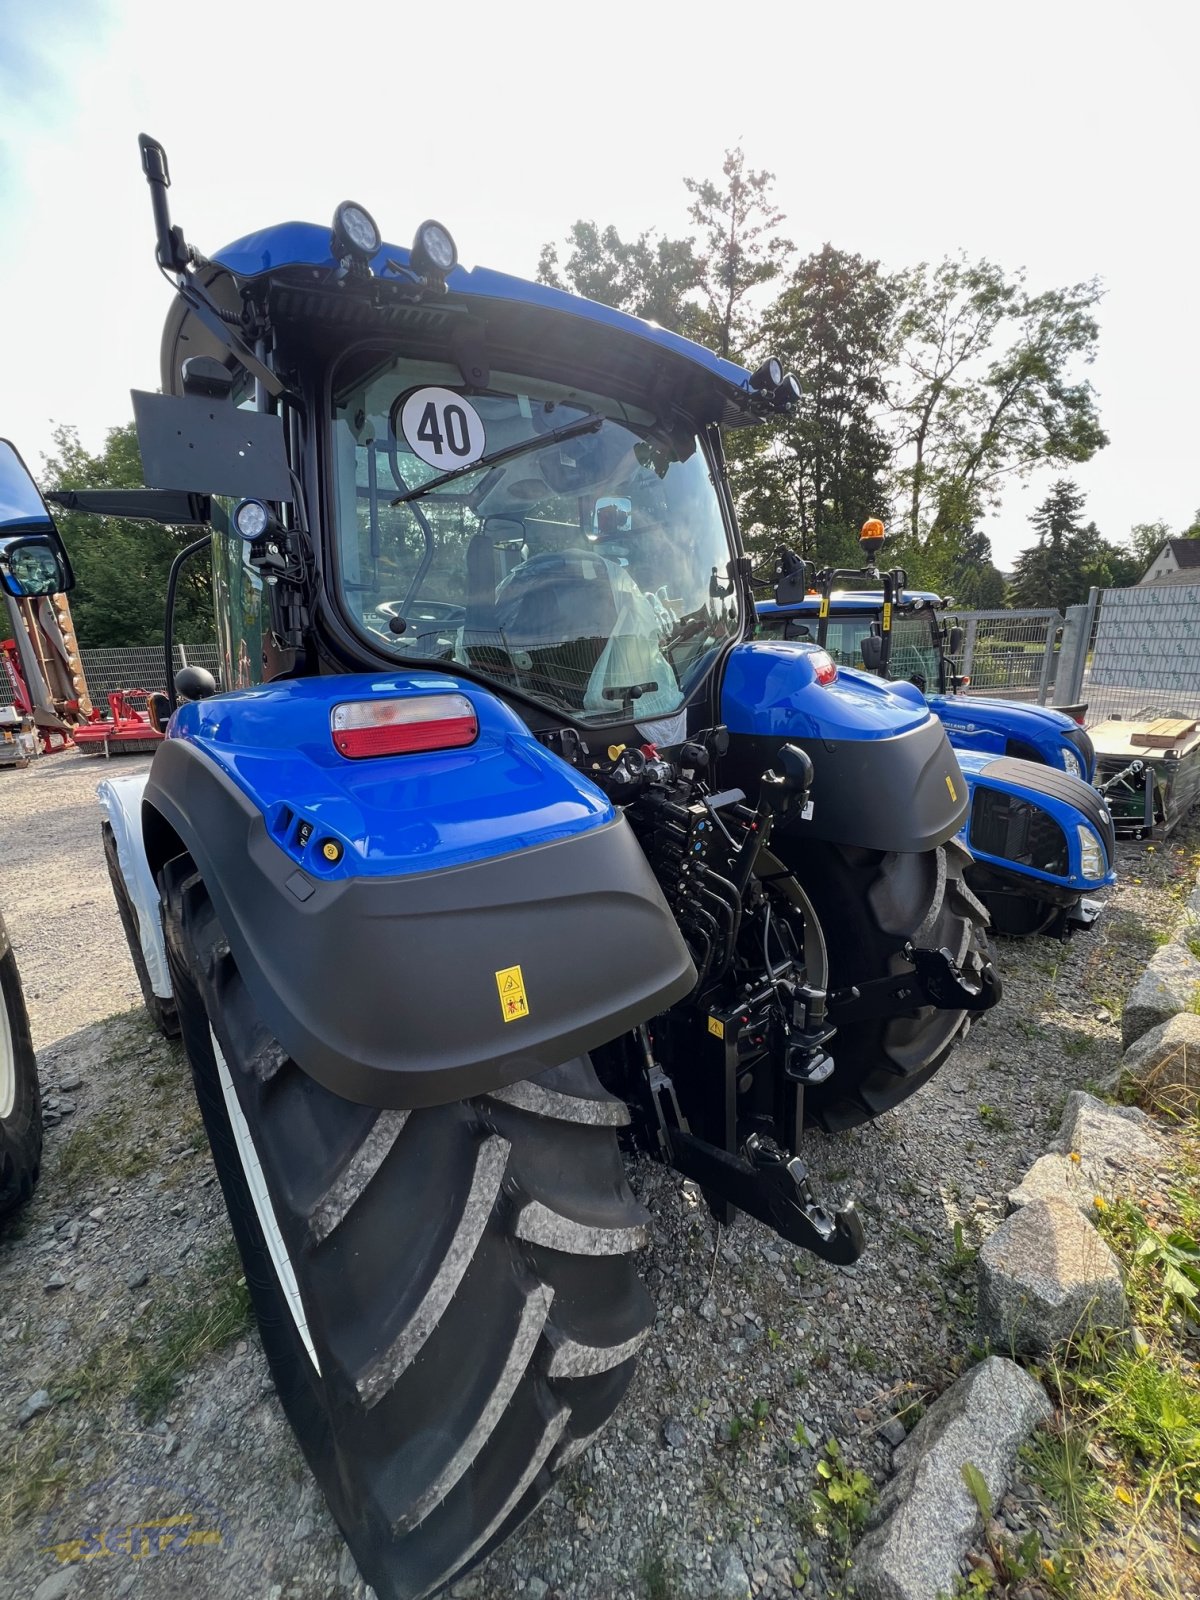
(137,667)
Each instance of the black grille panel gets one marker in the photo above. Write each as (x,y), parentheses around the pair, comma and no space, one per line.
(1003,825)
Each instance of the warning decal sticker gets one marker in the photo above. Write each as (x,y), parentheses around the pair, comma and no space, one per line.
(511,985)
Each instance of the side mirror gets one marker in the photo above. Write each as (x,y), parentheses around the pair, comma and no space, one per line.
(33,560)
(954,641)
(194,683)
(872,651)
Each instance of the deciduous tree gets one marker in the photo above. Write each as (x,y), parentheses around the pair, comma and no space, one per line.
(121,567)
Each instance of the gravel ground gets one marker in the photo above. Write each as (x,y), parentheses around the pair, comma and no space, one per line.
(701,1486)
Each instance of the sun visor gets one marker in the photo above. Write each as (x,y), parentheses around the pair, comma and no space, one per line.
(205,446)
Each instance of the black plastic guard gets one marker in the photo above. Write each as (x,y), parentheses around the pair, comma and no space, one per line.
(905,793)
(391,991)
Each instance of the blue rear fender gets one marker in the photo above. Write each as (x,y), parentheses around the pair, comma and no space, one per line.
(413,928)
(870,743)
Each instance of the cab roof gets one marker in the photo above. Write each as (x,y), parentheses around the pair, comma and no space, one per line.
(299,253)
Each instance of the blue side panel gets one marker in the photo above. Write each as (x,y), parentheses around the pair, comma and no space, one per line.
(984,724)
(390,814)
(980,771)
(305,244)
(770,687)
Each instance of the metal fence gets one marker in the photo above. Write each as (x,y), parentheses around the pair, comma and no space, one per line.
(1012,654)
(138,667)
(1142,656)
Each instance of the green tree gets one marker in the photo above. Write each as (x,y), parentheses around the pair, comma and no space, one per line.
(986,387)
(1059,569)
(649,277)
(974,580)
(812,478)
(741,248)
(121,567)
(704,292)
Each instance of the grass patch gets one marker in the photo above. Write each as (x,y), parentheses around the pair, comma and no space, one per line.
(192,1328)
(1122,1463)
(142,1362)
(992,1117)
(108,1145)
(658,1577)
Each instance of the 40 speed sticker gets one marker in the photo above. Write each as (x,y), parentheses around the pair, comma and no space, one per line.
(442,428)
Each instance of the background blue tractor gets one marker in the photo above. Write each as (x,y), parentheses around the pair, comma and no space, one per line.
(1043,841)
(502,836)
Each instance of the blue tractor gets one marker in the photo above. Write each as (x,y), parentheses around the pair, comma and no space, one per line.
(503,841)
(1042,840)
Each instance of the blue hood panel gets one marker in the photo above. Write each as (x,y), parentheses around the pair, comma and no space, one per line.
(771,688)
(390,814)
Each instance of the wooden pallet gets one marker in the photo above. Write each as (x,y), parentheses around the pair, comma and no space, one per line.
(1163,733)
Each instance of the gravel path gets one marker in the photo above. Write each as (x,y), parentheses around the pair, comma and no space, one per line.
(701,1486)
(55,895)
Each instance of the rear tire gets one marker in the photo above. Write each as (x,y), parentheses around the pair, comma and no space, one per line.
(20,1092)
(164,1012)
(446,1296)
(870,904)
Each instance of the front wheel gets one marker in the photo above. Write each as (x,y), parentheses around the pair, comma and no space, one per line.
(446,1297)
(163,1012)
(20,1093)
(870,903)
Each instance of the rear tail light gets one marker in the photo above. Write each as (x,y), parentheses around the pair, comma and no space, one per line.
(824,666)
(403,726)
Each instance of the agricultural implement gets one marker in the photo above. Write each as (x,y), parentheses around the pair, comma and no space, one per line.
(129,728)
(1149,771)
(504,837)
(1041,837)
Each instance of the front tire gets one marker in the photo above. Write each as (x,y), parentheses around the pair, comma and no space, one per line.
(446,1297)
(20,1092)
(870,903)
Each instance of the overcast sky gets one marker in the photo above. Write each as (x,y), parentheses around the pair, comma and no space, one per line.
(1057,136)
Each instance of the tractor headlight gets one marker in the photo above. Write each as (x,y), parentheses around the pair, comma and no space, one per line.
(253,520)
(354,232)
(1071,762)
(1092,852)
(433,251)
(769,375)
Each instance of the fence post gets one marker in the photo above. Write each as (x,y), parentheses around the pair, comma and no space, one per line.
(969,645)
(1072,655)
(1052,626)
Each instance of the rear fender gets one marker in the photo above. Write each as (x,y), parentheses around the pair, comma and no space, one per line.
(121,800)
(885,776)
(413,929)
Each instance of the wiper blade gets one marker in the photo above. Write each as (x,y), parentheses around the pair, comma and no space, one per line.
(568,430)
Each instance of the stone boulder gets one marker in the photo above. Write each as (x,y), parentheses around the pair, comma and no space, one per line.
(1169,985)
(926,1519)
(1163,1067)
(1100,1150)
(1044,1275)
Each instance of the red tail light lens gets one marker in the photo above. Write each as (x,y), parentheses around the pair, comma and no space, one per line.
(824,667)
(403,726)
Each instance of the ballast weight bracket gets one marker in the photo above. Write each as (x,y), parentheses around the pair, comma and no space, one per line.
(935,980)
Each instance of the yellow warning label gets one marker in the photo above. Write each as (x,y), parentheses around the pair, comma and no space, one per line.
(952,789)
(715,1025)
(887,616)
(824,608)
(511,985)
